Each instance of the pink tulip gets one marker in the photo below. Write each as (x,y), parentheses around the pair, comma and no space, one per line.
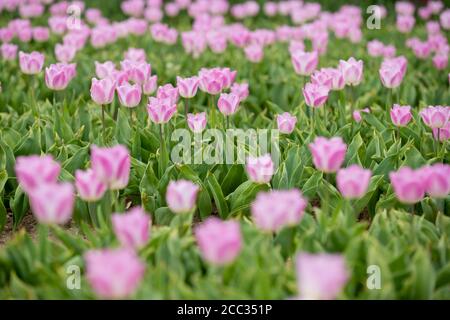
(260,169)
(445,19)
(404,8)
(138,72)
(102,91)
(41,34)
(111,165)
(187,87)
(286,122)
(57,76)
(160,110)
(181,196)
(391,76)
(254,53)
(435,117)
(197,122)
(375,48)
(241,90)
(129,95)
(321,276)
(114,273)
(442,134)
(105,70)
(315,95)
(89,187)
(132,228)
(352,71)
(274,210)
(440,61)
(9,51)
(228,103)
(64,53)
(437,180)
(337,79)
(212,81)
(31,63)
(401,115)
(305,62)
(323,78)
(408,185)
(34,171)
(405,23)
(353,181)
(168,91)
(219,250)
(52,202)
(328,154)
(421,49)
(149,86)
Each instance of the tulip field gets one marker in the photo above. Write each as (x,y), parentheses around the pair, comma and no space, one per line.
(223,149)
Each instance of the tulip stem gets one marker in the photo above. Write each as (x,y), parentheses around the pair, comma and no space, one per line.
(92,209)
(213,111)
(389,104)
(103,124)
(186,108)
(163,152)
(43,242)
(437,141)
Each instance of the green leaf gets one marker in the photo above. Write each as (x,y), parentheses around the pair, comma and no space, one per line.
(216,191)
(312,184)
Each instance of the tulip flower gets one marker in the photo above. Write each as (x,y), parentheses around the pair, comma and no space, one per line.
(401,115)
(357,114)
(328,154)
(305,62)
(315,95)
(111,165)
(129,95)
(286,123)
(31,63)
(187,88)
(138,72)
(321,276)
(181,196)
(254,53)
(52,203)
(352,71)
(228,103)
(196,122)
(57,76)
(102,268)
(149,86)
(9,51)
(405,23)
(168,91)
(408,185)
(442,134)
(437,180)
(353,181)
(89,187)
(160,111)
(435,117)
(137,55)
(391,76)
(219,250)
(34,171)
(274,210)
(260,169)
(64,53)
(132,228)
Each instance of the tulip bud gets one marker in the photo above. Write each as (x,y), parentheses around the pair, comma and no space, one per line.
(219,241)
(102,91)
(129,95)
(111,165)
(160,110)
(181,196)
(197,122)
(352,71)
(260,170)
(89,187)
(132,228)
(286,122)
(353,181)
(114,273)
(274,210)
(321,276)
(228,103)
(401,115)
(187,87)
(52,203)
(408,185)
(31,63)
(328,154)
(34,171)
